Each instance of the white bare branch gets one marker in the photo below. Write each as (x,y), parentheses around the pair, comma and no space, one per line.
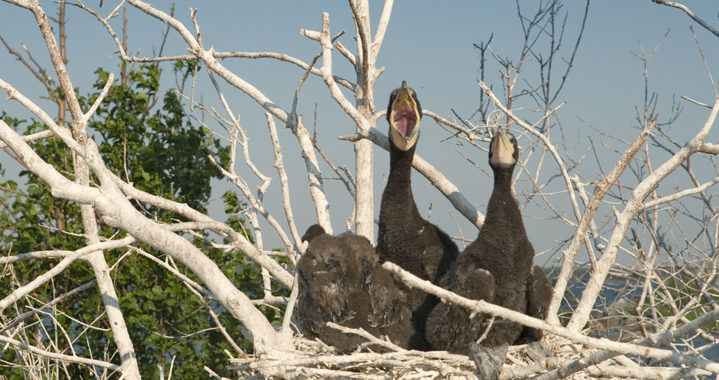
(238,240)
(207,56)
(438,180)
(654,340)
(364,156)
(57,269)
(280,166)
(57,356)
(96,259)
(33,137)
(116,211)
(681,194)
(580,236)
(545,140)
(689,13)
(482,306)
(633,206)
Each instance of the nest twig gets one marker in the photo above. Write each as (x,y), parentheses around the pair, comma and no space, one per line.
(316,360)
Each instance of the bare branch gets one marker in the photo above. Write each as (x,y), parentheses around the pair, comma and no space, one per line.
(33,137)
(56,356)
(279,165)
(438,180)
(482,306)
(116,211)
(580,234)
(689,13)
(633,206)
(382,27)
(17,320)
(57,269)
(681,194)
(100,98)
(207,56)
(545,141)
(238,240)
(57,130)
(654,340)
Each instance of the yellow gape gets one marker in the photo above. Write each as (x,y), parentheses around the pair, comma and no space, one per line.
(404,119)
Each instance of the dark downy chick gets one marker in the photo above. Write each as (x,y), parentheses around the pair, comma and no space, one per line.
(503,251)
(404,237)
(449,327)
(341,281)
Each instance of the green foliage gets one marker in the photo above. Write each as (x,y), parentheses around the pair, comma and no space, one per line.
(681,290)
(157,151)
(146,138)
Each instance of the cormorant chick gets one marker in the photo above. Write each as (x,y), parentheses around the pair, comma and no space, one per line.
(503,253)
(341,281)
(404,237)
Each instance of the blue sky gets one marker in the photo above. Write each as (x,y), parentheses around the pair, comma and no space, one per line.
(429,44)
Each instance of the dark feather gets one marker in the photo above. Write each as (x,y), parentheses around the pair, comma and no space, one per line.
(539,294)
(408,240)
(503,250)
(449,327)
(341,281)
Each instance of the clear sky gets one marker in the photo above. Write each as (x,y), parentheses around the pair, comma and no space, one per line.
(429,44)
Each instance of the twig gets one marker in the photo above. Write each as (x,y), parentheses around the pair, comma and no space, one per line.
(654,340)
(172,270)
(482,306)
(623,220)
(438,180)
(364,204)
(681,194)
(637,372)
(238,240)
(100,97)
(57,269)
(255,203)
(545,141)
(689,13)
(17,320)
(371,338)
(207,56)
(116,211)
(56,356)
(32,137)
(602,188)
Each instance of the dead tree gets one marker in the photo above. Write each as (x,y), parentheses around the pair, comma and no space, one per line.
(527,103)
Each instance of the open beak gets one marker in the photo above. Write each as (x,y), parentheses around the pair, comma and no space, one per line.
(404,119)
(502,150)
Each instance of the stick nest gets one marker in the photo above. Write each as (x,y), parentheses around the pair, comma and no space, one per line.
(315,360)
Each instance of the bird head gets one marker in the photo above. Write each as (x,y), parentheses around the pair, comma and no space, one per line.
(503,151)
(403,115)
(312,232)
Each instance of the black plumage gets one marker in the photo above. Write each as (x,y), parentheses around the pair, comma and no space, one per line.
(341,281)
(404,237)
(449,327)
(539,295)
(502,255)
